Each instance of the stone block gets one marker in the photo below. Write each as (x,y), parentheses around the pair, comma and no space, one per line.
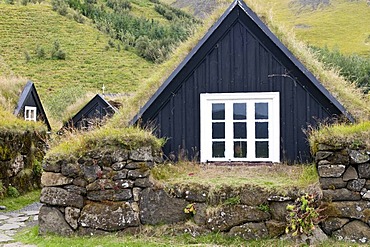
(51,220)
(71,170)
(157,207)
(253,195)
(79,182)
(119,165)
(250,231)
(100,184)
(100,195)
(358,157)
(278,210)
(51,165)
(120,174)
(71,216)
(112,216)
(76,189)
(341,195)
(122,195)
(354,231)
(229,216)
(333,171)
(142,173)
(348,209)
(332,224)
(332,183)
(322,155)
(136,192)
(364,170)
(350,174)
(91,173)
(275,228)
(356,185)
(49,179)
(142,182)
(141,154)
(123,184)
(61,197)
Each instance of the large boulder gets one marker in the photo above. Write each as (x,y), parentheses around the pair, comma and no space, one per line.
(157,207)
(110,216)
(51,220)
(229,216)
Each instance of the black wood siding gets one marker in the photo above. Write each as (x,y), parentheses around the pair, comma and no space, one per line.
(239,58)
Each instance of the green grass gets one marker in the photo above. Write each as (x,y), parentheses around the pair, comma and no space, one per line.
(88,64)
(155,238)
(129,138)
(276,176)
(343,24)
(351,135)
(21,201)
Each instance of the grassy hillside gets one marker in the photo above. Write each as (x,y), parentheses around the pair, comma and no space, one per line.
(343,24)
(93,55)
(88,64)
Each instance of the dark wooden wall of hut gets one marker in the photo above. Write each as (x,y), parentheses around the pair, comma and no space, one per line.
(238,57)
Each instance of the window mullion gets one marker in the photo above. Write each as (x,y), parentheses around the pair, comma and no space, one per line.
(229,134)
(251,154)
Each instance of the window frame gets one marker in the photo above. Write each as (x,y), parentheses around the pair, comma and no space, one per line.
(273,100)
(30,109)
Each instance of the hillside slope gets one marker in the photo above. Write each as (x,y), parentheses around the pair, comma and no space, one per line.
(342,24)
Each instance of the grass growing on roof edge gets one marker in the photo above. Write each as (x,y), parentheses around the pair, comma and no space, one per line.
(78,143)
(12,124)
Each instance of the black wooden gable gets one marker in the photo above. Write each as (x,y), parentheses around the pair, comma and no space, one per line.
(239,54)
(95,110)
(30,97)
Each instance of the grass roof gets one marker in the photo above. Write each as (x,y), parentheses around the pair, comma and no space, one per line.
(11,89)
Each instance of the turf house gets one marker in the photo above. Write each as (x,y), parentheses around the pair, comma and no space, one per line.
(239,95)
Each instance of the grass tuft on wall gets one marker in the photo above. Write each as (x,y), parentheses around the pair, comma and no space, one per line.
(351,135)
(76,144)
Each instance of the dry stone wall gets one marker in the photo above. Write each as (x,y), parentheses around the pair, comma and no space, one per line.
(110,190)
(21,156)
(345,181)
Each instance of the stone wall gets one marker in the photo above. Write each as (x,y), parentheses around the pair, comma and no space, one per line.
(110,190)
(345,181)
(21,156)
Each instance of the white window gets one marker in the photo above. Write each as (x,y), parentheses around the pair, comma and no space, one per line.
(240,127)
(30,113)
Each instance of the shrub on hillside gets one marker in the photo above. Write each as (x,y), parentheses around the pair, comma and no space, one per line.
(60,6)
(40,52)
(57,53)
(352,67)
